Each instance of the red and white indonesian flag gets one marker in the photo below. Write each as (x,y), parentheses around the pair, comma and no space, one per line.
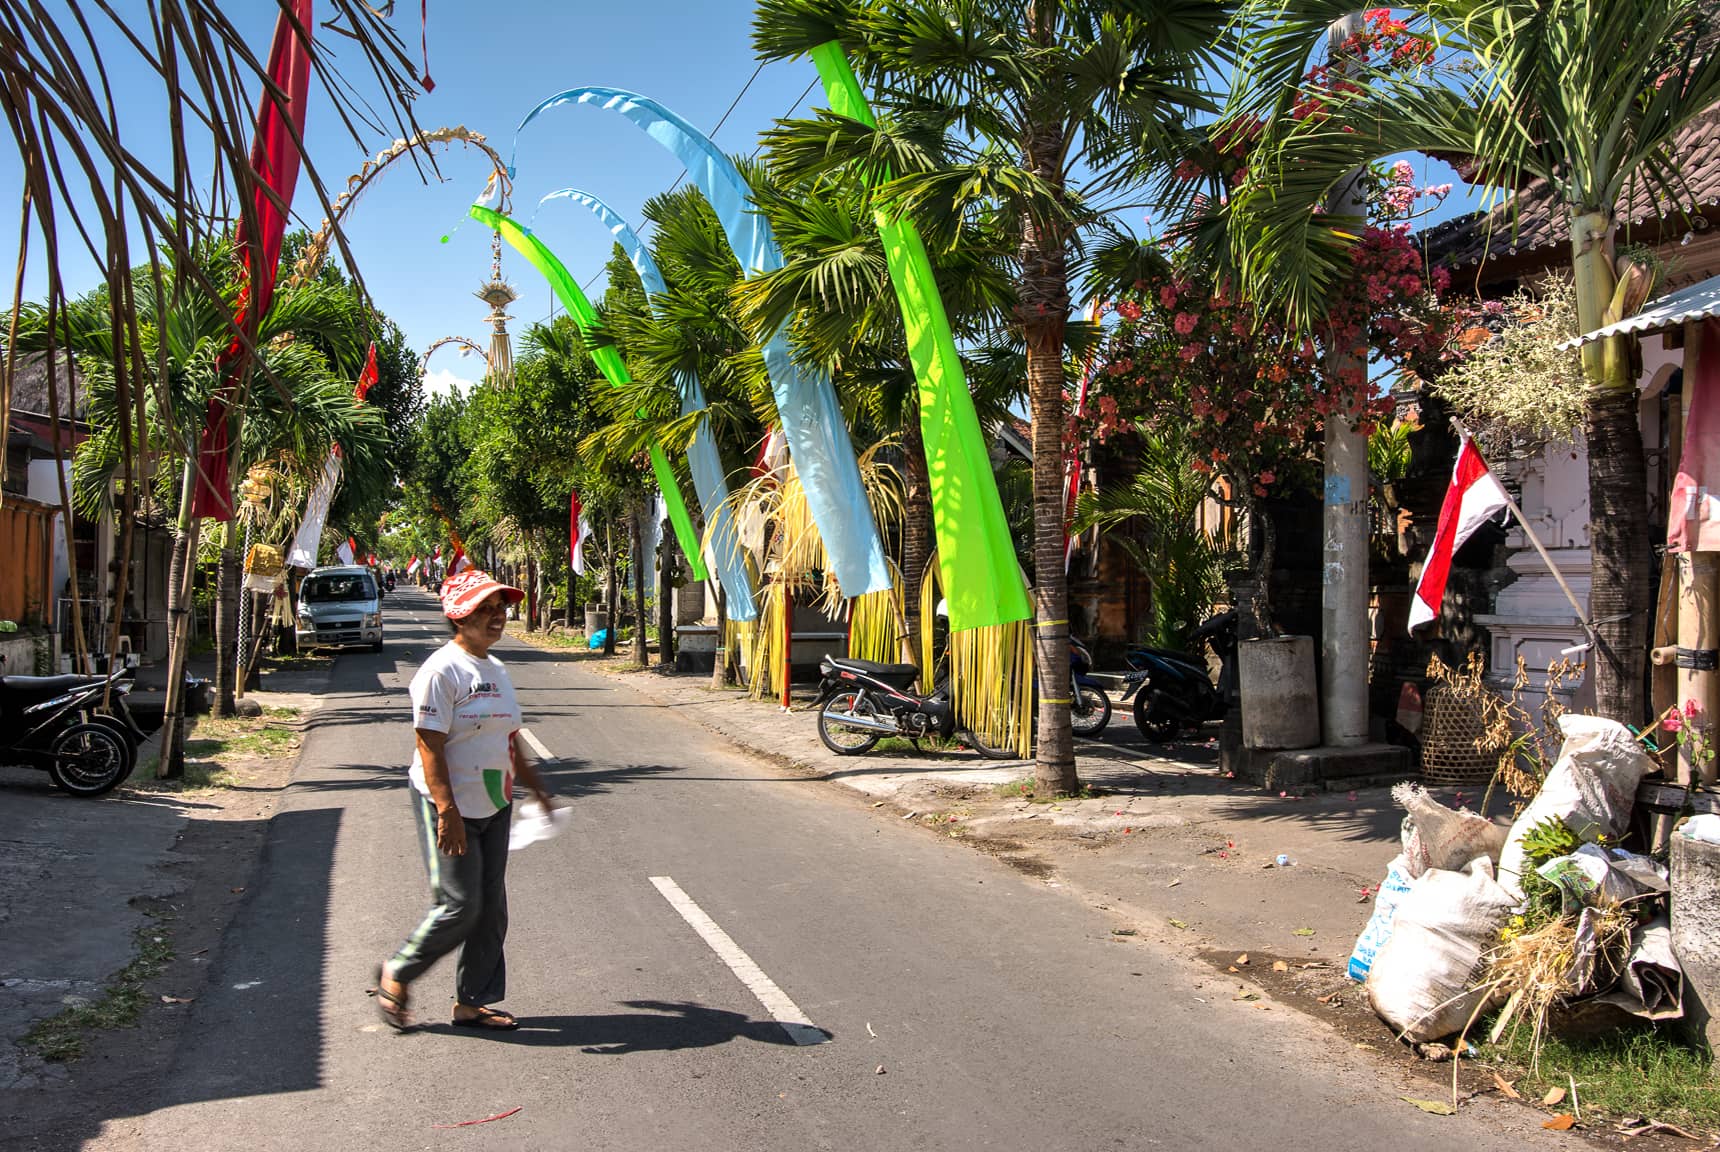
(347,553)
(579,529)
(1475,496)
(412,568)
(1693,516)
(460,562)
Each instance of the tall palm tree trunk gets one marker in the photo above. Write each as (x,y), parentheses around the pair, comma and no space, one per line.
(609,589)
(171,762)
(917,528)
(641,614)
(666,553)
(1043,291)
(720,665)
(1620,549)
(227,583)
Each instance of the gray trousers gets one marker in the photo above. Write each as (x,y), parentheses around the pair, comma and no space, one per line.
(471,907)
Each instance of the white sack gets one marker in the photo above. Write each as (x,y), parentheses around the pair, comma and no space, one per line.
(1420,982)
(1592,788)
(1435,836)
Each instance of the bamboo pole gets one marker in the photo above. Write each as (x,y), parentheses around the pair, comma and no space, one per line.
(1698,603)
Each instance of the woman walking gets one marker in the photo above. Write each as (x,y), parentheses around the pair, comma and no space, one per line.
(465,717)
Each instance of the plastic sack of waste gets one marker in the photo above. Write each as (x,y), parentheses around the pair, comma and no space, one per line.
(598,639)
(1652,984)
(534,822)
(1591,788)
(1587,878)
(1421,982)
(1393,889)
(1435,836)
(1705,828)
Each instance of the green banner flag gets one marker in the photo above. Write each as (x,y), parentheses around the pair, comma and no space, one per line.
(976,558)
(608,362)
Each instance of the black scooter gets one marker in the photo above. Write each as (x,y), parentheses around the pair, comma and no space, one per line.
(860,702)
(1174,690)
(55,723)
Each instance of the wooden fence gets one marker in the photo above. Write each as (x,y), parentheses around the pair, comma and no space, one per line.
(26,560)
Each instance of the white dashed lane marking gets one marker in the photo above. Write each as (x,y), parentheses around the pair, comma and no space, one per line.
(535,745)
(783,1010)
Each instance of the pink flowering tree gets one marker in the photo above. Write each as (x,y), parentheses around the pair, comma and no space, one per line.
(1187,351)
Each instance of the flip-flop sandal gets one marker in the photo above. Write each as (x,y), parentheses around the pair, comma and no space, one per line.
(390,1007)
(489,1020)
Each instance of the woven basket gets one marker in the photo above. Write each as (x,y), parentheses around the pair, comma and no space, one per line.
(1451,725)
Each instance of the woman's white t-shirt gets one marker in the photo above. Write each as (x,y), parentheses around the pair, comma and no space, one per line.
(472,702)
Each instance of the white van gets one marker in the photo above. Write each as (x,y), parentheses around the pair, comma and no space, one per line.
(339,608)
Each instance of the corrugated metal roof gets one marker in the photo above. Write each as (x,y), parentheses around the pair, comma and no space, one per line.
(1686,304)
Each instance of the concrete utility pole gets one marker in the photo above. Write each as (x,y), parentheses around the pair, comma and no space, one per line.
(1344,555)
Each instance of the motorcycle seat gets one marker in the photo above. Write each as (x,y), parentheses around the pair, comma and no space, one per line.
(47,683)
(898,675)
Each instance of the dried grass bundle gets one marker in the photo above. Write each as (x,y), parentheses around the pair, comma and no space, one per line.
(1542,968)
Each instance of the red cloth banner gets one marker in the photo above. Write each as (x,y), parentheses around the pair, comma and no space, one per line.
(275,158)
(1693,515)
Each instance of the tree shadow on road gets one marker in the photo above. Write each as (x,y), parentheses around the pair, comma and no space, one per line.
(659,1027)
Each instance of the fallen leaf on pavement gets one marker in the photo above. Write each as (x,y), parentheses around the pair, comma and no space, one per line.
(485,1120)
(878,1071)
(879,804)
(1436,1107)
(1122,931)
(1178,924)
(1242,959)
(1553,1097)
(1366,1047)
(177,999)
(1247,996)
(1560,1123)
(1280,966)
(869,1031)
(1233,968)
(1173,883)
(1505,1087)
(1333,998)
(1303,932)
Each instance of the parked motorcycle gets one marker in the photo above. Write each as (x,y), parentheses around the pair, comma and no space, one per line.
(1175,690)
(861,702)
(1090,705)
(54,723)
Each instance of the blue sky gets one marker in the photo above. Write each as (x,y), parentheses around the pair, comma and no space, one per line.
(492,62)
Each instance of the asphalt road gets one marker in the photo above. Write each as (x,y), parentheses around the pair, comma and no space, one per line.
(958,1004)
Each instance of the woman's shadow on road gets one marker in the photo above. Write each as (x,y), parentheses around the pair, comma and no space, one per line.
(658,1027)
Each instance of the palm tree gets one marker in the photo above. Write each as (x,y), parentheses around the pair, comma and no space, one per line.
(309,347)
(1040,114)
(1585,95)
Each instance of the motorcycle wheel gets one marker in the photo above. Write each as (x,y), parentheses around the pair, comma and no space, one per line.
(88,760)
(989,751)
(1092,711)
(841,738)
(1157,728)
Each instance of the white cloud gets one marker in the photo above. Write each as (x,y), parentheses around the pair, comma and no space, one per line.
(441,382)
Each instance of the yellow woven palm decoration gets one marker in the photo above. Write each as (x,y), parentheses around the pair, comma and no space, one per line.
(875,623)
(793,563)
(990,671)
